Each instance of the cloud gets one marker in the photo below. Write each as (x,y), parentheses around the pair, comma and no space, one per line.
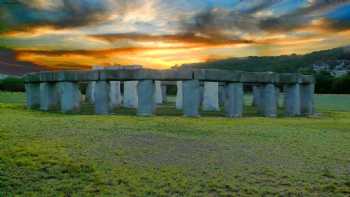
(223,23)
(189,39)
(26,14)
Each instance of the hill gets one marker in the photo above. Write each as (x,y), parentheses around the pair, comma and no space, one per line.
(283,63)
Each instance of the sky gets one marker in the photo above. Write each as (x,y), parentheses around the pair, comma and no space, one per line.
(70,34)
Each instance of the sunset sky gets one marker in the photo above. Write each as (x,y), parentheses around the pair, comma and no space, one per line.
(163,33)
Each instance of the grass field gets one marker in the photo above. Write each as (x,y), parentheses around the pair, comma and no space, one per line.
(51,154)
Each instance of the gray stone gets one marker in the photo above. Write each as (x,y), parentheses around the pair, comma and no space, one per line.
(102,98)
(179,95)
(32,78)
(69,97)
(115,95)
(269,100)
(164,93)
(158,93)
(146,100)
(130,94)
(222,95)
(307,79)
(49,96)
(307,99)
(217,75)
(234,100)
(292,99)
(191,94)
(259,77)
(290,78)
(90,92)
(33,95)
(211,96)
(258,94)
(145,74)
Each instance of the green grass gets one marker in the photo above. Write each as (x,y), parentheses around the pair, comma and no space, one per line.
(51,154)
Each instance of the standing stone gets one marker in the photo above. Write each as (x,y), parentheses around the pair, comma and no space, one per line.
(222,95)
(130,94)
(201,94)
(277,96)
(307,99)
(115,95)
(164,93)
(292,99)
(90,92)
(191,94)
(33,95)
(158,93)
(269,100)
(234,100)
(179,95)
(211,96)
(69,97)
(48,96)
(146,102)
(258,95)
(102,98)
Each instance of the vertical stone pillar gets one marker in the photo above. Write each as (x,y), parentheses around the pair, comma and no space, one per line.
(164,93)
(179,95)
(146,93)
(69,97)
(307,99)
(90,92)
(222,95)
(102,98)
(258,94)
(201,94)
(278,92)
(292,99)
(115,94)
(191,94)
(33,95)
(269,100)
(211,96)
(130,94)
(158,92)
(234,101)
(48,96)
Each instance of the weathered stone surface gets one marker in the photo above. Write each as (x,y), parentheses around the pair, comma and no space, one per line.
(258,94)
(307,79)
(290,78)
(211,96)
(33,95)
(130,94)
(72,76)
(90,92)
(217,75)
(102,98)
(307,99)
(269,100)
(115,94)
(164,93)
(158,92)
(70,97)
(145,74)
(146,100)
(179,95)
(234,100)
(259,77)
(222,95)
(292,99)
(49,96)
(191,93)
(32,78)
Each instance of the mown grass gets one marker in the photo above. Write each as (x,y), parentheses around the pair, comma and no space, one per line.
(51,154)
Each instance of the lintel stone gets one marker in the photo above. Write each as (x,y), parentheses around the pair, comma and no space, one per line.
(217,75)
(290,78)
(32,78)
(307,79)
(145,74)
(260,77)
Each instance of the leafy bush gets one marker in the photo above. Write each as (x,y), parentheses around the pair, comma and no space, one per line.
(12,84)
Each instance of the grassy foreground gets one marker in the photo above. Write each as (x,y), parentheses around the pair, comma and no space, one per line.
(51,154)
